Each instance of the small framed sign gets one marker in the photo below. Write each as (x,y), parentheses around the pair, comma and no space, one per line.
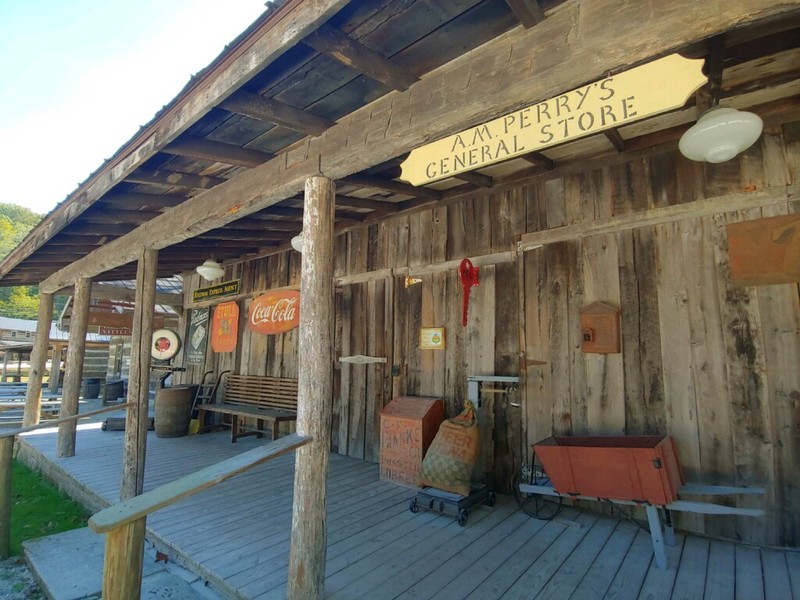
(431,338)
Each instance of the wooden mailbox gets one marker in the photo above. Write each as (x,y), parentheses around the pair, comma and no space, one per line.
(634,467)
(600,328)
(408,426)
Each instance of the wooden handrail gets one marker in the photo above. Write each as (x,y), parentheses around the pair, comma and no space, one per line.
(135,508)
(6,459)
(51,423)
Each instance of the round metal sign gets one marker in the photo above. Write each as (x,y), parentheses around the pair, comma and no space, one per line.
(165,344)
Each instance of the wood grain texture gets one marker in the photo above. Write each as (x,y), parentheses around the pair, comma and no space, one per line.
(74,365)
(33,396)
(139,379)
(309,527)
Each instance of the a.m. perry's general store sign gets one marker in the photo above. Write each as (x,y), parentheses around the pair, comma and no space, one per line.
(650,89)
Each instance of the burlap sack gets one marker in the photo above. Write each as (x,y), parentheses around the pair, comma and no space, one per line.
(452,455)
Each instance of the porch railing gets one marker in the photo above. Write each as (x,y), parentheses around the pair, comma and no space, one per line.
(125,522)
(6,462)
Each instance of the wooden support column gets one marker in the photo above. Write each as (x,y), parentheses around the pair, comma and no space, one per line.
(74,366)
(314,398)
(139,381)
(33,398)
(6,459)
(5,365)
(123,560)
(55,368)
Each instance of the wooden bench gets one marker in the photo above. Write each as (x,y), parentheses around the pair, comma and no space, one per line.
(265,399)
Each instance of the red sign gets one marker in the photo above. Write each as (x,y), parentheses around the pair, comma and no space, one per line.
(225,327)
(275,312)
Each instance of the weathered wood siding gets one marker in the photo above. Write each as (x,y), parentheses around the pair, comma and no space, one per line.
(715,366)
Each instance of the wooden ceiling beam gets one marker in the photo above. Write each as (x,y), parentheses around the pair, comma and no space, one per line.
(271,111)
(116,292)
(268,225)
(389,185)
(528,12)
(537,158)
(118,216)
(88,228)
(229,154)
(344,49)
(613,136)
(367,203)
(466,93)
(140,201)
(476,178)
(279,211)
(174,179)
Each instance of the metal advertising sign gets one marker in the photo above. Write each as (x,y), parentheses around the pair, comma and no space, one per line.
(198,336)
(275,312)
(650,89)
(225,327)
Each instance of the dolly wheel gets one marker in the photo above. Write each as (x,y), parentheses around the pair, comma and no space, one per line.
(462,517)
(412,506)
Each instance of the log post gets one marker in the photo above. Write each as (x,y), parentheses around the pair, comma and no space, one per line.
(139,381)
(74,366)
(33,398)
(314,398)
(6,464)
(123,561)
(5,365)
(55,369)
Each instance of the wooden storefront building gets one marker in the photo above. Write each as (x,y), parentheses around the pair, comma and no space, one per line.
(327,98)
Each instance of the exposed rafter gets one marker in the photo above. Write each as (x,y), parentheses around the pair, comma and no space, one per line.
(529,12)
(537,158)
(258,107)
(140,201)
(615,138)
(218,152)
(332,42)
(367,203)
(476,178)
(174,179)
(390,185)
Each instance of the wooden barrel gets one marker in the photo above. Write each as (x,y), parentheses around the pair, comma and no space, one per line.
(174,410)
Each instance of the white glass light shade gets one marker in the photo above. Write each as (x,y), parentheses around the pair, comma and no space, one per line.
(720,134)
(297,242)
(210,270)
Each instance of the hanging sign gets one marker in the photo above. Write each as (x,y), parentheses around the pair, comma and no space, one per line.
(653,88)
(275,312)
(198,336)
(225,327)
(228,288)
(115,331)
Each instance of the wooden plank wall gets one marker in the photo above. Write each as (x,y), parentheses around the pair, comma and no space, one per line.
(715,366)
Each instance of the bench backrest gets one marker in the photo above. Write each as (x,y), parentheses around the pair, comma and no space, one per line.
(260,390)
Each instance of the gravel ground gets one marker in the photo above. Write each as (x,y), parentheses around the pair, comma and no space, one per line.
(17,582)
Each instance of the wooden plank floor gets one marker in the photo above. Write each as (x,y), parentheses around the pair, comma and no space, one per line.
(236,535)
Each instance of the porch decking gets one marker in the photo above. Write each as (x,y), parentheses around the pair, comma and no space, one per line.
(236,535)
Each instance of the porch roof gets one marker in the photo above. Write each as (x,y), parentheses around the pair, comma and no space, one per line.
(317,87)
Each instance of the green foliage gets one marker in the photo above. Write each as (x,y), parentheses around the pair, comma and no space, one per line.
(39,509)
(15,223)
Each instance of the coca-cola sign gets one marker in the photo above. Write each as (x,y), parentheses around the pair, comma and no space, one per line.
(275,312)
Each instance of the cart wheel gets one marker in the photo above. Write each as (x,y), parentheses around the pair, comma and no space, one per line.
(491,500)
(412,506)
(462,517)
(537,506)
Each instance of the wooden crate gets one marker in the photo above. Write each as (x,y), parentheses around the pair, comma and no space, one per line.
(643,468)
(408,426)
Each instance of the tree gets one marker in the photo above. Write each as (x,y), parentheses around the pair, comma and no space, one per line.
(15,223)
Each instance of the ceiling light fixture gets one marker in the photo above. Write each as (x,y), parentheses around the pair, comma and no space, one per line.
(297,242)
(210,270)
(720,134)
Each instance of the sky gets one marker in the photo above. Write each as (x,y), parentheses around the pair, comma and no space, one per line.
(79,77)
